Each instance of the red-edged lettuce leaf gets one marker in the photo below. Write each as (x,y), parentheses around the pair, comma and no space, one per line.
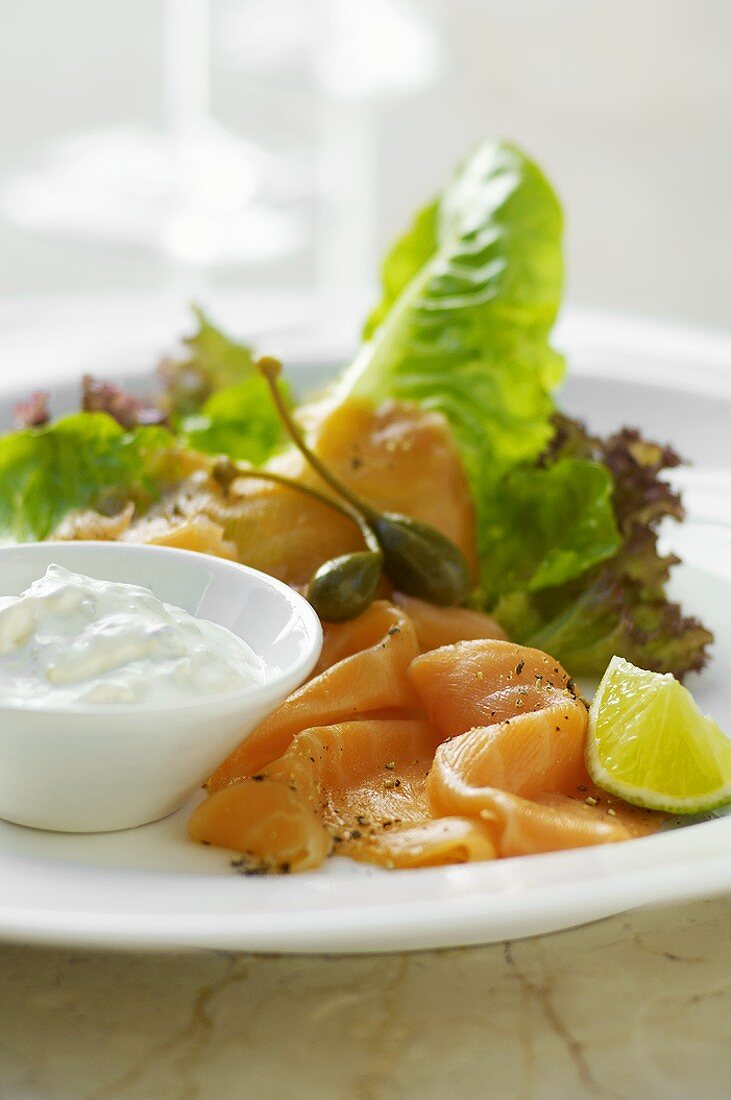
(621,605)
(212,361)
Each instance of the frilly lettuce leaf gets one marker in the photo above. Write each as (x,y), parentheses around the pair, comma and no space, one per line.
(86,459)
(129,410)
(103,459)
(217,401)
(240,421)
(549,525)
(620,606)
(212,362)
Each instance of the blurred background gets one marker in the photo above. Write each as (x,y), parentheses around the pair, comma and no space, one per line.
(192,146)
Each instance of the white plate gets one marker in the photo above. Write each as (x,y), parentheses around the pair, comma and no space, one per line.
(150,888)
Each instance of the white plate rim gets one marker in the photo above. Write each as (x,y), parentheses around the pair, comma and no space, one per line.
(442,914)
(439,907)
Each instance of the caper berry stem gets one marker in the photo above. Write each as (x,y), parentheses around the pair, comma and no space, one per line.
(270,368)
(240,470)
(417,557)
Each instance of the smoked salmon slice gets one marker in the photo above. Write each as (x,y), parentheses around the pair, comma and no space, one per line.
(470,751)
(483,682)
(522,768)
(373,678)
(438,626)
(356,788)
(290,535)
(398,456)
(369,629)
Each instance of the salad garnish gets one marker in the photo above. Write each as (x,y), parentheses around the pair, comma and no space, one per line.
(417,558)
(566,523)
(648,743)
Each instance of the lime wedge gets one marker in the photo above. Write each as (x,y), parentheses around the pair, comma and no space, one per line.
(649,744)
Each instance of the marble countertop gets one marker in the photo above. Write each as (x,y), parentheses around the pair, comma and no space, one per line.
(638,1005)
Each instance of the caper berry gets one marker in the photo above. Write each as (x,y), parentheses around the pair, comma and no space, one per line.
(345,586)
(420,560)
(417,558)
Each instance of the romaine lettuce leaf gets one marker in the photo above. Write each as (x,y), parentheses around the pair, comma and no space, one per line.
(82,460)
(566,523)
(469,297)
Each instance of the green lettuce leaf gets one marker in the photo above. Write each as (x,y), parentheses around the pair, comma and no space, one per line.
(550,524)
(470,294)
(620,606)
(86,459)
(102,459)
(241,422)
(213,361)
(566,523)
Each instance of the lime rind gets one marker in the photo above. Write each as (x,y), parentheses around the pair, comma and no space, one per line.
(649,744)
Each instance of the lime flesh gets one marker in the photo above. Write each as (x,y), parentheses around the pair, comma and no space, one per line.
(649,744)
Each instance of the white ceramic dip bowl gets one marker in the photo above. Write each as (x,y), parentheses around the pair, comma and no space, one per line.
(99,767)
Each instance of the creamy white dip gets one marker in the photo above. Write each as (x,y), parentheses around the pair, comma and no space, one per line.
(70,639)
